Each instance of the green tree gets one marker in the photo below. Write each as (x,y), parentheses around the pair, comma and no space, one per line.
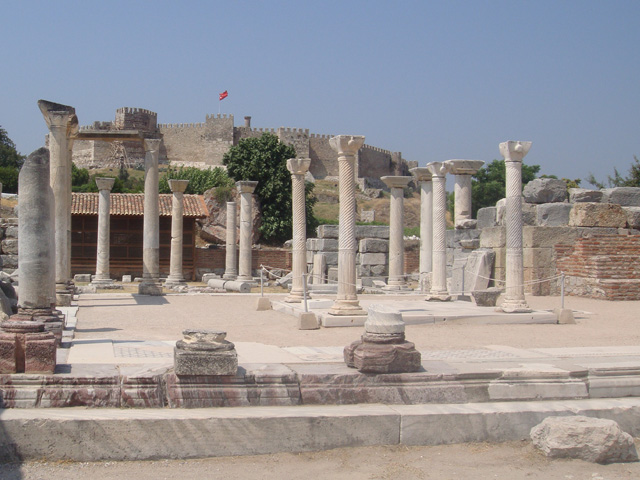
(631,180)
(10,163)
(199,180)
(264,160)
(488,184)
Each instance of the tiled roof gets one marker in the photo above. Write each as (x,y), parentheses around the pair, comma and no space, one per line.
(133,204)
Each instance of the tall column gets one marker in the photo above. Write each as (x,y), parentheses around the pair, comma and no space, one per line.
(439,275)
(246,189)
(423,175)
(231,260)
(346,303)
(151,227)
(102,276)
(62,123)
(298,168)
(513,153)
(176,277)
(396,232)
(463,169)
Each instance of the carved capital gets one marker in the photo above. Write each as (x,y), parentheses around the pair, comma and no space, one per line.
(246,186)
(59,117)
(422,174)
(346,145)
(298,166)
(464,167)
(514,151)
(438,169)
(152,145)
(105,183)
(396,181)
(178,186)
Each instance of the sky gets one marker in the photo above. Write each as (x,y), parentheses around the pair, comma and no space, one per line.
(435,80)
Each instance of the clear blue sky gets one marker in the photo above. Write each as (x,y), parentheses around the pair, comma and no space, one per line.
(434,80)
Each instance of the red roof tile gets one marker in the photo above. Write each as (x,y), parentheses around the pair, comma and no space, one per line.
(133,204)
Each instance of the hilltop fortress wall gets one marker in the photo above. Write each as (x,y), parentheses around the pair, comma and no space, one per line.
(204,144)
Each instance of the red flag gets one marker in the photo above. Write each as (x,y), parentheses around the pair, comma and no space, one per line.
(224,95)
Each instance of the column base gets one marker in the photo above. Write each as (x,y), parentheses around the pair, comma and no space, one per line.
(346,307)
(230,276)
(245,279)
(396,288)
(296,297)
(438,297)
(150,288)
(175,282)
(514,306)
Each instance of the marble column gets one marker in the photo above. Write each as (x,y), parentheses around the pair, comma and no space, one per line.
(176,277)
(463,169)
(102,276)
(513,153)
(231,260)
(439,258)
(151,227)
(423,175)
(396,232)
(246,189)
(298,168)
(347,303)
(63,124)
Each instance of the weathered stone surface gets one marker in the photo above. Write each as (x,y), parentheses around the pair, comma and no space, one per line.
(633,216)
(466,224)
(591,439)
(529,213)
(623,196)
(362,231)
(478,269)
(369,357)
(545,190)
(597,215)
(547,237)
(82,277)
(487,297)
(322,244)
(373,245)
(383,319)
(372,258)
(328,231)
(205,352)
(553,214)
(493,237)
(308,321)
(10,246)
(581,195)
(487,217)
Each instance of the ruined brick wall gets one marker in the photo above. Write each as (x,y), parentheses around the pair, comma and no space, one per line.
(213,259)
(603,266)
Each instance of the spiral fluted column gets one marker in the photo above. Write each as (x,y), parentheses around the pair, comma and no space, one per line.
(439,274)
(298,168)
(423,175)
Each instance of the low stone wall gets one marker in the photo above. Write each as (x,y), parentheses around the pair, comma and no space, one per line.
(8,245)
(212,260)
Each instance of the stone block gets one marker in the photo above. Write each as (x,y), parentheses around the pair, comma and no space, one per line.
(493,237)
(537,257)
(263,304)
(487,217)
(373,245)
(11,231)
(332,274)
(205,363)
(633,216)
(40,353)
(331,258)
(328,231)
(308,321)
(82,277)
(623,196)
(8,262)
(548,236)
(553,214)
(582,195)
(529,213)
(126,279)
(478,269)
(372,231)
(363,271)
(487,297)
(10,246)
(597,215)
(7,355)
(371,259)
(322,244)
(455,238)
(378,270)
(545,190)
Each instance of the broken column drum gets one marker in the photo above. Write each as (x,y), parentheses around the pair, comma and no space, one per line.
(298,168)
(396,232)
(347,300)
(176,276)
(423,175)
(513,153)
(463,169)
(231,259)
(246,189)
(102,257)
(151,222)
(439,257)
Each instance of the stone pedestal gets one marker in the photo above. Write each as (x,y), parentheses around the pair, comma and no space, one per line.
(176,278)
(347,300)
(102,277)
(423,175)
(383,348)
(63,124)
(246,189)
(150,284)
(513,153)
(25,347)
(231,259)
(205,352)
(439,257)
(396,232)
(463,169)
(298,168)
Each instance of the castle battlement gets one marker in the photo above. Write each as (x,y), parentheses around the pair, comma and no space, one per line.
(317,135)
(263,130)
(182,125)
(376,149)
(124,110)
(293,130)
(97,126)
(211,116)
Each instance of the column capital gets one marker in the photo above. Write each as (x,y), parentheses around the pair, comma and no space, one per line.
(422,174)
(346,144)
(396,181)
(514,151)
(438,169)
(152,145)
(464,167)
(246,186)
(57,116)
(178,186)
(298,166)
(105,183)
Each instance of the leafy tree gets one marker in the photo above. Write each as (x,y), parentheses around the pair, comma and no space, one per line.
(199,180)
(631,180)
(264,160)
(488,184)
(10,163)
